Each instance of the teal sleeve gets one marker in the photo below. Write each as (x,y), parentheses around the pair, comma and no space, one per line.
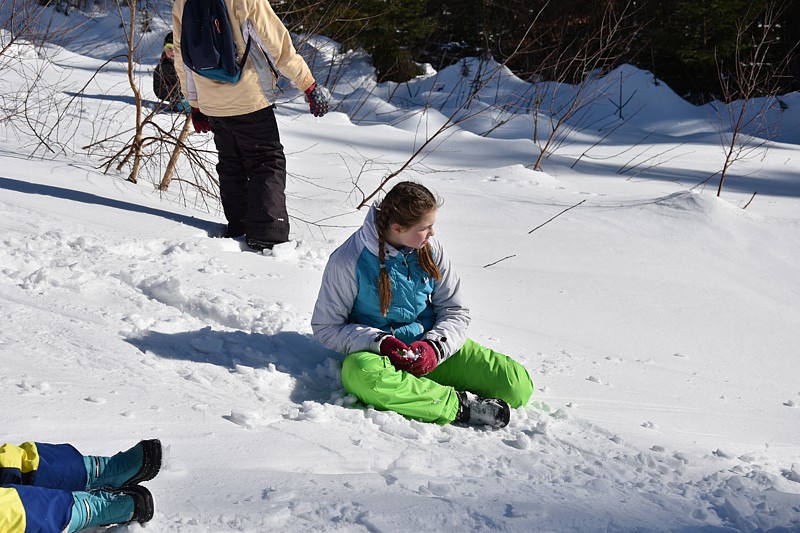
(410,332)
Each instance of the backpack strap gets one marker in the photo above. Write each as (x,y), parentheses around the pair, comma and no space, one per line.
(246,52)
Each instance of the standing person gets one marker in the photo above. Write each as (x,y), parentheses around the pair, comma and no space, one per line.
(252,164)
(165,79)
(53,488)
(390,299)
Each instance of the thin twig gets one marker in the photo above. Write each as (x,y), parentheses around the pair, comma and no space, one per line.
(555,217)
(751,200)
(503,259)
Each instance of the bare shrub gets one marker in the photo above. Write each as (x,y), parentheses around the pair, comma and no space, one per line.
(751,88)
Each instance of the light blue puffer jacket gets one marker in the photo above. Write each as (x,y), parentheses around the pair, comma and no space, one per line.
(347,315)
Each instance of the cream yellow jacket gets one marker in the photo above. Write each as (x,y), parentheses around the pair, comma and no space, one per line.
(257,88)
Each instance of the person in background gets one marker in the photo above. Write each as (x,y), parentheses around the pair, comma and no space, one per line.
(252,163)
(391,300)
(166,85)
(53,488)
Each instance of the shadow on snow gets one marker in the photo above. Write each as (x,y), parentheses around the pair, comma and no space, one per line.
(315,369)
(93,199)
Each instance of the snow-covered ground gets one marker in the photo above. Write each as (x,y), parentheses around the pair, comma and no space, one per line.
(661,324)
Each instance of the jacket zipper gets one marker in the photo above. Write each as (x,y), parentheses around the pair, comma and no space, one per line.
(405,261)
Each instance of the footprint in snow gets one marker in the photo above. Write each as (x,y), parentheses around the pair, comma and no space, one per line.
(791,474)
(437,489)
(246,420)
(595,379)
(34,388)
(521,442)
(94,399)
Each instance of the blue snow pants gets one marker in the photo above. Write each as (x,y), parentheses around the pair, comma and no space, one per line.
(36,484)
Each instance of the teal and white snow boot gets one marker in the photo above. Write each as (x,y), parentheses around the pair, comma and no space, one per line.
(125,469)
(102,508)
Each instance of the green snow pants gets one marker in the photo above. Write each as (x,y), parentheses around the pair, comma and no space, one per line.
(432,398)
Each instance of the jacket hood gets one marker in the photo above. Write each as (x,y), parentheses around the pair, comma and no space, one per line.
(368,233)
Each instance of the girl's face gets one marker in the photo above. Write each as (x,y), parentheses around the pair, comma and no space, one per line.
(415,236)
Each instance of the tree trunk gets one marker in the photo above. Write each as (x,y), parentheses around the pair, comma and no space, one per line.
(137,142)
(176,152)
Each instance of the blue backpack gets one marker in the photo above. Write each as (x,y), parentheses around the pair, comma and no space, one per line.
(207,45)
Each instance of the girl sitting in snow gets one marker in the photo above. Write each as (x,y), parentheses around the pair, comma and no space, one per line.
(390,299)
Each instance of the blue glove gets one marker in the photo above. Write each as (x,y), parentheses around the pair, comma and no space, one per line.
(183,106)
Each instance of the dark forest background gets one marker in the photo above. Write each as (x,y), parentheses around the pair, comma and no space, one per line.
(693,46)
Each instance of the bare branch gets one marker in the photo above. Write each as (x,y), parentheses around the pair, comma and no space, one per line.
(499,260)
(555,217)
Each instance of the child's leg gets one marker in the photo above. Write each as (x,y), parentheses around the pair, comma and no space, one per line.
(57,466)
(25,508)
(103,508)
(124,469)
(374,381)
(486,373)
(61,466)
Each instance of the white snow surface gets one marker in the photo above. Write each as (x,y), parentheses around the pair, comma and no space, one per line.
(660,323)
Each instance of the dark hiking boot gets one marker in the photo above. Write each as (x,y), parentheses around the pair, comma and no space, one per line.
(477,411)
(125,469)
(259,245)
(103,508)
(232,232)
(226,231)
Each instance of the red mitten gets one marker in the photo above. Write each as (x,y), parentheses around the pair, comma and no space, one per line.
(398,353)
(200,121)
(425,360)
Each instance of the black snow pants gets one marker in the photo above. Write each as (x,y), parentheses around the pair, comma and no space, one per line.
(252,175)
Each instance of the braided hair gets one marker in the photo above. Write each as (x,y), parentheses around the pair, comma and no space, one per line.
(405,205)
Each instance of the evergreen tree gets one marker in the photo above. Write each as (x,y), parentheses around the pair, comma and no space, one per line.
(474,27)
(683,42)
(393,32)
(395,36)
(690,44)
(561,31)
